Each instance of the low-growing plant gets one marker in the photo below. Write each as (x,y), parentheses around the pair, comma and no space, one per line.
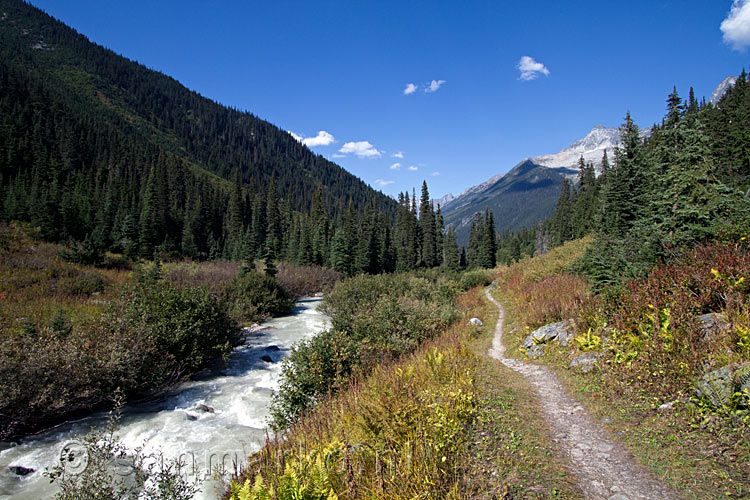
(588,341)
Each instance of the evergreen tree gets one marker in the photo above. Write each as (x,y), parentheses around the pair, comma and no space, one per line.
(428,242)
(451,255)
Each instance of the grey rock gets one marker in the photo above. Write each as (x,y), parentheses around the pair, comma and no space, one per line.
(618,496)
(547,333)
(585,362)
(716,387)
(742,382)
(191,417)
(19,470)
(204,408)
(535,351)
(494,283)
(273,348)
(475,322)
(266,358)
(712,325)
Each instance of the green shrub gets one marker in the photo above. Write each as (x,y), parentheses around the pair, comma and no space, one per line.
(477,277)
(374,318)
(81,283)
(252,296)
(190,325)
(313,369)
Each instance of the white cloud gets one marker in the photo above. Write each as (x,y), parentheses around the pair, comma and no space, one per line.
(736,27)
(322,139)
(395,166)
(336,155)
(382,183)
(362,149)
(435,174)
(410,89)
(433,86)
(413,168)
(398,154)
(530,69)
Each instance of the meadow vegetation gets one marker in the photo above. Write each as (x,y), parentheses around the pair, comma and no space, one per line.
(653,346)
(71,334)
(427,423)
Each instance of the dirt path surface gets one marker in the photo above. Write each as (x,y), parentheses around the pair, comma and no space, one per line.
(604,469)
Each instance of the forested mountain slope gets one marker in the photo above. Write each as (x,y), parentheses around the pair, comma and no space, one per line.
(90,140)
(519,199)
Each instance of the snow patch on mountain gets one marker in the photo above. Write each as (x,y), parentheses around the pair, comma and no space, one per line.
(721,89)
(592,147)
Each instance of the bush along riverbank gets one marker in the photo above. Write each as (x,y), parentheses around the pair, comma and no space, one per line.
(661,361)
(380,406)
(71,334)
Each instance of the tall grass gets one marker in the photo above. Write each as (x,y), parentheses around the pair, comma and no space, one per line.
(400,432)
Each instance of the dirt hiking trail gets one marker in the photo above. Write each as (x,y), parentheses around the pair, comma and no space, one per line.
(603,468)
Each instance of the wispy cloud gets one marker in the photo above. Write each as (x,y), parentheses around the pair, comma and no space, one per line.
(382,183)
(531,69)
(433,86)
(322,139)
(736,26)
(435,174)
(395,166)
(398,154)
(413,168)
(337,155)
(361,149)
(427,88)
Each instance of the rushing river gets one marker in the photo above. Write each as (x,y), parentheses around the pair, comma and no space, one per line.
(218,417)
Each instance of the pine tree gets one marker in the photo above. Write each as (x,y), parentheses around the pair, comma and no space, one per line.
(428,244)
(451,255)
(439,236)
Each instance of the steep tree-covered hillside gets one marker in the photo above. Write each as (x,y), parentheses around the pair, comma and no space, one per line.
(92,143)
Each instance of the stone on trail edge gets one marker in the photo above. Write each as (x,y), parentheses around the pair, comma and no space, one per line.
(603,468)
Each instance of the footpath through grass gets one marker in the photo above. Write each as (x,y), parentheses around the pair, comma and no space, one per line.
(650,350)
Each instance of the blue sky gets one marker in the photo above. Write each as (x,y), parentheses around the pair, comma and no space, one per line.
(343,68)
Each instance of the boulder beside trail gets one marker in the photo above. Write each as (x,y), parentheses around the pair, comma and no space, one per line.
(586,361)
(716,386)
(535,351)
(561,331)
(475,322)
(712,325)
